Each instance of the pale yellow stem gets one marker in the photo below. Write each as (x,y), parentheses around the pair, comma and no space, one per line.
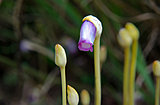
(133,72)
(63,79)
(97,71)
(157,95)
(126,75)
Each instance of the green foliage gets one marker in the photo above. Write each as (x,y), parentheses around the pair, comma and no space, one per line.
(48,22)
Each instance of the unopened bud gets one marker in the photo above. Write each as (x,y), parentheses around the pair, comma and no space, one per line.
(85,97)
(73,98)
(133,31)
(60,56)
(103,54)
(156,68)
(124,38)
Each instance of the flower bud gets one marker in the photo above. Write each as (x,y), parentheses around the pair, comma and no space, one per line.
(87,36)
(85,98)
(96,23)
(124,38)
(103,54)
(156,68)
(133,31)
(25,46)
(73,98)
(60,56)
(90,29)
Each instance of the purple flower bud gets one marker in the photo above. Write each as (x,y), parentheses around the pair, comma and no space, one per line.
(25,46)
(87,36)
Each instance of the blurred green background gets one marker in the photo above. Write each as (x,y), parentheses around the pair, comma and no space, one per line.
(29,30)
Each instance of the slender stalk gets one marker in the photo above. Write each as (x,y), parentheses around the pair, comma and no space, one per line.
(157,91)
(126,75)
(97,71)
(63,79)
(133,72)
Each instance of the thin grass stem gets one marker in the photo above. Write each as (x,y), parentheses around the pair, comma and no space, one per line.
(63,79)
(133,72)
(97,71)
(126,75)
(157,97)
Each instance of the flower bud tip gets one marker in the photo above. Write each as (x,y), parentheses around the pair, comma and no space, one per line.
(156,68)
(133,31)
(73,97)
(124,38)
(85,97)
(60,56)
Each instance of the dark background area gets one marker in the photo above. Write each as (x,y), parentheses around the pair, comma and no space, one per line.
(29,30)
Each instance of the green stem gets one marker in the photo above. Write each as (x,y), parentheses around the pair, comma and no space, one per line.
(157,91)
(63,79)
(133,72)
(97,71)
(126,75)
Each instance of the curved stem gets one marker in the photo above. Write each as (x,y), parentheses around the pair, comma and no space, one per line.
(63,79)
(97,71)
(133,72)
(126,75)
(157,91)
